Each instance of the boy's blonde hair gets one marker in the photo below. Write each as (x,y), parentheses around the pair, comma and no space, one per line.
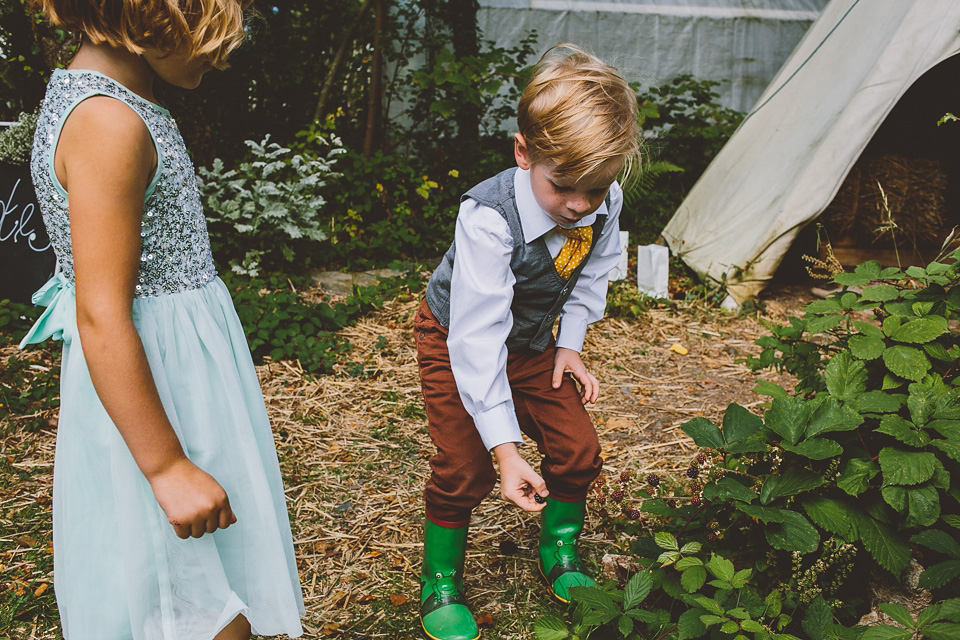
(579,113)
(205,27)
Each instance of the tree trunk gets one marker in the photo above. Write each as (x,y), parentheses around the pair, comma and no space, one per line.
(348,37)
(461,16)
(375,96)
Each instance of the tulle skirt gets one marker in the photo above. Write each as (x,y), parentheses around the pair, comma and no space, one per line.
(120,572)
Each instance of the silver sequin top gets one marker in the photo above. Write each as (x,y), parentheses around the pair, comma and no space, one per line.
(175,248)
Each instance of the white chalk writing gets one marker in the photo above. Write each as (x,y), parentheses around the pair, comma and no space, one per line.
(16,228)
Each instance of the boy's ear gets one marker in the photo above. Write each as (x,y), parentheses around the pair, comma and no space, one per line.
(520,151)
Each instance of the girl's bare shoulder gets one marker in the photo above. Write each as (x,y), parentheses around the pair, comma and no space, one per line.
(106,133)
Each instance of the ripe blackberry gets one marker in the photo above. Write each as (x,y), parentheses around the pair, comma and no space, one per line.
(633,514)
(696,501)
(693,472)
(538,498)
(616,495)
(671,503)
(653,480)
(625,476)
(701,458)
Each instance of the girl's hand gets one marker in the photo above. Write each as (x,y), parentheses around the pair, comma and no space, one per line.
(519,483)
(192,500)
(568,361)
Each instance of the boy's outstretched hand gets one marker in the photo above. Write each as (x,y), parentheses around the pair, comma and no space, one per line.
(519,483)
(568,361)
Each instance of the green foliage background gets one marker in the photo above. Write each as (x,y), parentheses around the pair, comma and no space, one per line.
(783,518)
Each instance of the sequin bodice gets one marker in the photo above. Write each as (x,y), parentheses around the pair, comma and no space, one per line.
(174,245)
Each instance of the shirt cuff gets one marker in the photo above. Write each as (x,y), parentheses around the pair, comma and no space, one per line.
(498,425)
(572,332)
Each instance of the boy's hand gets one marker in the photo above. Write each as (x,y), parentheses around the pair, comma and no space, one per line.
(519,483)
(568,361)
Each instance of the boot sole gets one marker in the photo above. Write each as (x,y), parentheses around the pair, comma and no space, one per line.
(550,591)
(427,633)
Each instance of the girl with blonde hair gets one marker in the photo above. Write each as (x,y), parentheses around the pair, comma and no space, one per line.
(169,514)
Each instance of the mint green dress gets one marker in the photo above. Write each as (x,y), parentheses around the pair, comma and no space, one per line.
(120,572)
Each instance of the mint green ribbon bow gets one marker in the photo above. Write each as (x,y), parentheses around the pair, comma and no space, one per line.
(60,317)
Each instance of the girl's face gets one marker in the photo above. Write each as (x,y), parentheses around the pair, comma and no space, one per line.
(566,201)
(180,68)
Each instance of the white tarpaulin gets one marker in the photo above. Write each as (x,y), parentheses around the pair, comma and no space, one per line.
(739,43)
(788,159)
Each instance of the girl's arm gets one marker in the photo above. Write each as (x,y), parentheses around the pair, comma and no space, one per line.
(105,159)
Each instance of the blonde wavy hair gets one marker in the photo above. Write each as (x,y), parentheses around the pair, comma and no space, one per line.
(579,113)
(205,27)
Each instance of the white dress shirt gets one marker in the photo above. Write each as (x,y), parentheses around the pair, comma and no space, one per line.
(481,292)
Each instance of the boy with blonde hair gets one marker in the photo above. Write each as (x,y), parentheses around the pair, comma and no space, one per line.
(532,245)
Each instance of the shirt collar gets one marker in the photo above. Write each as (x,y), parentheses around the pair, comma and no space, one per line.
(533,220)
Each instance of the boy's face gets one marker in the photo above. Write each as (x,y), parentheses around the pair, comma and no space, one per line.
(566,201)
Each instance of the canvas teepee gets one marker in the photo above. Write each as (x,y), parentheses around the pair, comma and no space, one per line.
(786,162)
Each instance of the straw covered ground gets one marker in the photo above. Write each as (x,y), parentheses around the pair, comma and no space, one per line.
(354,453)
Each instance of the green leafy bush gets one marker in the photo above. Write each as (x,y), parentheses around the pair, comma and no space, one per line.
(937,622)
(16,142)
(859,467)
(400,202)
(16,318)
(882,406)
(726,606)
(386,208)
(490,81)
(452,91)
(281,324)
(685,127)
(266,213)
(29,390)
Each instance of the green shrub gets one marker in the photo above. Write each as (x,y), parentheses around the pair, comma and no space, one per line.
(266,214)
(859,467)
(685,128)
(16,142)
(281,325)
(388,208)
(16,318)
(451,105)
(938,622)
(886,393)
(725,607)
(29,391)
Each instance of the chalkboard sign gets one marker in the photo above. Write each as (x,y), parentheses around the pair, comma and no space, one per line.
(26,257)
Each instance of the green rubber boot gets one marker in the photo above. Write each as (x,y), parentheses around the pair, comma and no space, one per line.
(443,610)
(560,564)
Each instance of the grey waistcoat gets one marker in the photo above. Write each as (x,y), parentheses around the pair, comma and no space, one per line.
(539,292)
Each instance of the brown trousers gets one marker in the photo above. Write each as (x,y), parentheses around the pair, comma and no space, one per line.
(462,472)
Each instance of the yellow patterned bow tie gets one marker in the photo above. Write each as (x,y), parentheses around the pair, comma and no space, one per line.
(574,249)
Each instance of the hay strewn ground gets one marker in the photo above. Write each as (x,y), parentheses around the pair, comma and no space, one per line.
(354,452)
